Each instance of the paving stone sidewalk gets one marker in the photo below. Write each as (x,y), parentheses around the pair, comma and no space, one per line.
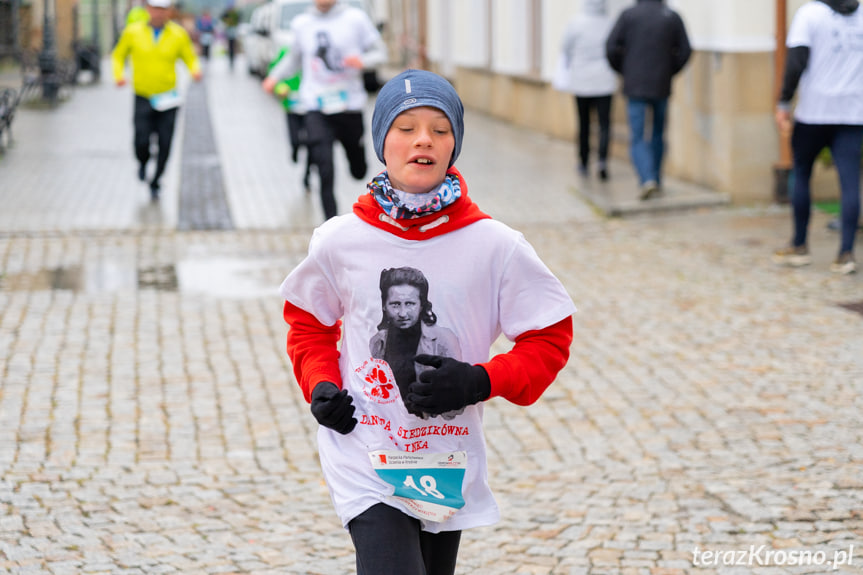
(149,421)
(712,401)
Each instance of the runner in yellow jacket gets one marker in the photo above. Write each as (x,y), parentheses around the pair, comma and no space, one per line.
(154,48)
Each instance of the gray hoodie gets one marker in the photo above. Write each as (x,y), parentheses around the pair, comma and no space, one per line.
(583,69)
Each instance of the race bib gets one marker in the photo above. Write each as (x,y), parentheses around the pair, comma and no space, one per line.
(333,102)
(429,484)
(165,100)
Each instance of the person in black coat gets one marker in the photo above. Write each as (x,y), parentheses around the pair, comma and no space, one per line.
(648,45)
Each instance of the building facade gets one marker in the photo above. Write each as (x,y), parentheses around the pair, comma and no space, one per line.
(501,55)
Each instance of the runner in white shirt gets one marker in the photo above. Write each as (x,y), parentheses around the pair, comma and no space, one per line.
(825,57)
(332,44)
(392,317)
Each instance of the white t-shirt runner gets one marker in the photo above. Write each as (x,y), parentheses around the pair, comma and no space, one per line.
(484,279)
(324,41)
(831,87)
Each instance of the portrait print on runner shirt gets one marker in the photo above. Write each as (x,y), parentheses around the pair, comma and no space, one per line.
(328,54)
(409,326)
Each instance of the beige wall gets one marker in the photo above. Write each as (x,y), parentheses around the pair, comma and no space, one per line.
(523,101)
(720,130)
(65,28)
(32,21)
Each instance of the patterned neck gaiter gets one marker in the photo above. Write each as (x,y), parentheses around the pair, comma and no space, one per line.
(401,205)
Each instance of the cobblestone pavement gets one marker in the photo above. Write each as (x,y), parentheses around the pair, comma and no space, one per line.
(149,422)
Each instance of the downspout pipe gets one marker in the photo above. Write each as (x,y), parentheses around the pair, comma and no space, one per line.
(782,169)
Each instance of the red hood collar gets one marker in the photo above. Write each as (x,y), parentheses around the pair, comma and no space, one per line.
(457,215)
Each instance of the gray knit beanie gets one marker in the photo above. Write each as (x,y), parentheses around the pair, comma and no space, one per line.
(412,89)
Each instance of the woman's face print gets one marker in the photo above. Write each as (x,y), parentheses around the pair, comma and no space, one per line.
(403,306)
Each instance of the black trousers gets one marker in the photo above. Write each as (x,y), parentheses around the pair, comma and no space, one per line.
(844,142)
(323,130)
(298,138)
(388,542)
(232,50)
(149,123)
(583,106)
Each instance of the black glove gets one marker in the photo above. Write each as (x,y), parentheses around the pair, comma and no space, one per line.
(333,408)
(451,385)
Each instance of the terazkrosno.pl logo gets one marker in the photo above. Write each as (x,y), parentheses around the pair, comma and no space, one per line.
(764,556)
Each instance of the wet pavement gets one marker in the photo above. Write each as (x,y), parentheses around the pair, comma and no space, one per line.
(709,420)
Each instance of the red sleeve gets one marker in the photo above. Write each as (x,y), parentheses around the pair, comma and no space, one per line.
(313,349)
(523,373)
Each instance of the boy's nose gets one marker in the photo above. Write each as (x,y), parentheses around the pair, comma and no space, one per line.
(423,137)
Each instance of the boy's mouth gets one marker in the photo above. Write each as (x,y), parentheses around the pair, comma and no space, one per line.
(423,161)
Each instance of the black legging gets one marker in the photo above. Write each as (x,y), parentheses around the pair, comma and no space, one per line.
(148,122)
(388,542)
(232,50)
(844,142)
(324,130)
(583,105)
(297,139)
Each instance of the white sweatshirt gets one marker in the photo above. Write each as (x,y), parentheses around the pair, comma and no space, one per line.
(321,42)
(583,69)
(831,87)
(484,279)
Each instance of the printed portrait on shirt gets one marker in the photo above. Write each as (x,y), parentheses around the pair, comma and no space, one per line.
(408,326)
(327,53)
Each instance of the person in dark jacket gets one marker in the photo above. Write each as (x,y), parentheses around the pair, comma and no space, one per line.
(648,45)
